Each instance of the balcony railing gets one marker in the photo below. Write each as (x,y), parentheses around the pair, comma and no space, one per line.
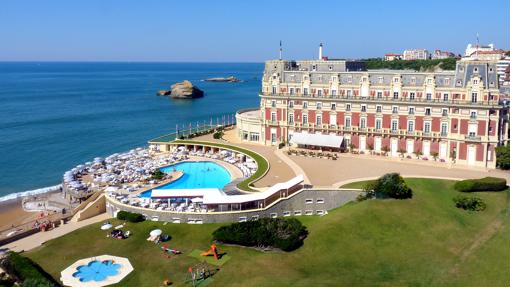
(472,138)
(389,99)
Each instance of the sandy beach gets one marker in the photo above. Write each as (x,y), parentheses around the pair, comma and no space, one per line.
(11,213)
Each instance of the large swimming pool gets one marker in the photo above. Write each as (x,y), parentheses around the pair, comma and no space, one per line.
(197,174)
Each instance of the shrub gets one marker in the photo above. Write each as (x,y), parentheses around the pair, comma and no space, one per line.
(281,145)
(503,157)
(469,203)
(482,184)
(23,269)
(217,135)
(390,185)
(129,216)
(285,234)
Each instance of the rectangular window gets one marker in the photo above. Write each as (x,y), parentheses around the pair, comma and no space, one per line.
(395,110)
(242,219)
(474,97)
(410,126)
(320,212)
(395,95)
(273,138)
(318,120)
(394,125)
(333,106)
(426,127)
(411,96)
(473,115)
(305,105)
(305,119)
(305,91)
(286,213)
(291,118)
(363,123)
(291,104)
(444,129)
(274,90)
(378,109)
(347,122)
(273,215)
(308,212)
(429,96)
(320,200)
(255,218)
(379,95)
(291,91)
(411,110)
(445,97)
(273,117)
(363,108)
(254,137)
(319,106)
(348,107)
(273,104)
(333,92)
(444,112)
(427,111)
(349,93)
(309,201)
(378,124)
(319,93)
(297,213)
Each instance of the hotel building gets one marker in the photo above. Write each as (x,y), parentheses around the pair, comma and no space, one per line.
(456,116)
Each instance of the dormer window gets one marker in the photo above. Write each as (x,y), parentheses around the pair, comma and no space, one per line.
(475,82)
(349,79)
(475,70)
(380,80)
(330,68)
(446,81)
(429,81)
(491,70)
(314,67)
(413,80)
(395,80)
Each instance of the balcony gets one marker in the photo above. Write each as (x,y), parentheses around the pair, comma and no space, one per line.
(472,138)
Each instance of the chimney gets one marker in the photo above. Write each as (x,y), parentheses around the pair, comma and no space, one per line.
(320,51)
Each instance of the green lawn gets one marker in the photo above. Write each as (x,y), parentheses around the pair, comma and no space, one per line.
(415,242)
(262,163)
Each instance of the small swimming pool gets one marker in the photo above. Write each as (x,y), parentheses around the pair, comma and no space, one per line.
(96,271)
(197,174)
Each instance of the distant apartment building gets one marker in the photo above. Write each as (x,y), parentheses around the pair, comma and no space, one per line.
(456,116)
(392,57)
(438,54)
(416,54)
(503,69)
(471,49)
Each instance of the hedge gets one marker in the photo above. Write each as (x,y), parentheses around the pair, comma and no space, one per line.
(27,271)
(482,184)
(130,216)
(284,234)
(469,203)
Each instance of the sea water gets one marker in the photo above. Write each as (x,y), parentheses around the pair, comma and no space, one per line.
(54,116)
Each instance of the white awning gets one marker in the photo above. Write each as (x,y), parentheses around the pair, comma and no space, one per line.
(317,140)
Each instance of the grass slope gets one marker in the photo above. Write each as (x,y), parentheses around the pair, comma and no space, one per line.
(415,242)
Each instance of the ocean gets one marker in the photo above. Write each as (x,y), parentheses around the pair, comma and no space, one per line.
(54,116)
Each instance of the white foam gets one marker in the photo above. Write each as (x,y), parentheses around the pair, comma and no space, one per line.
(30,192)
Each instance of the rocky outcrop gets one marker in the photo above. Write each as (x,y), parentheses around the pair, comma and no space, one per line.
(230,79)
(182,90)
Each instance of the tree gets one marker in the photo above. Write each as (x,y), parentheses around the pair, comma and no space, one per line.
(503,157)
(418,153)
(402,152)
(371,148)
(389,185)
(507,54)
(434,155)
(385,149)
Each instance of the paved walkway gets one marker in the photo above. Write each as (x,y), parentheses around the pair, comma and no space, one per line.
(296,168)
(36,240)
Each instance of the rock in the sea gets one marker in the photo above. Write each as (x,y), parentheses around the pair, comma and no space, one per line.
(163,93)
(230,79)
(185,90)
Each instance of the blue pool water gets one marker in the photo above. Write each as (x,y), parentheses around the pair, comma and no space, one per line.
(197,174)
(96,271)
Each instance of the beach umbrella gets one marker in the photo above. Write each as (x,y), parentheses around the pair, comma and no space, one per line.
(106,226)
(156,232)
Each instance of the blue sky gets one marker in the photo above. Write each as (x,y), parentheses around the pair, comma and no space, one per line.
(229,31)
